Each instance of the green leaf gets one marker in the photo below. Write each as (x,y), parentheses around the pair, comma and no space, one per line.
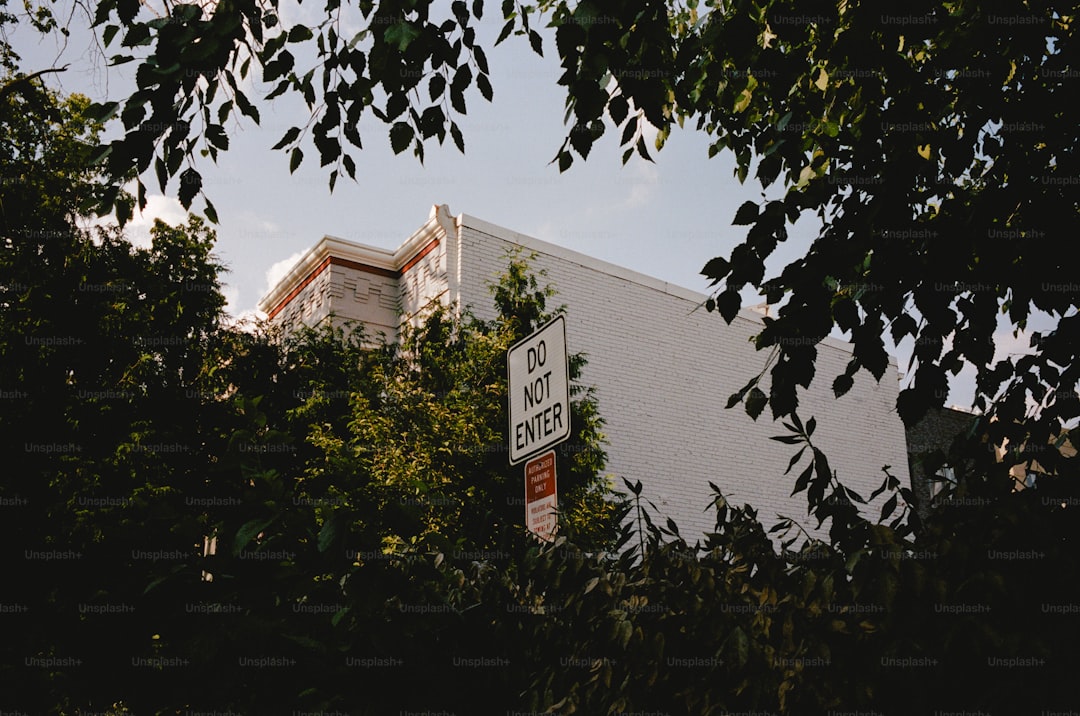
(289,137)
(618,108)
(401,134)
(728,303)
(642,150)
(160,171)
(137,35)
(743,101)
(401,34)
(215,134)
(505,33)
(330,530)
(888,508)
(755,402)
(433,122)
(747,214)
(295,158)
(457,100)
(481,60)
(436,86)
(190,185)
(581,140)
(462,79)
(903,325)
(536,42)
(822,81)
(741,644)
(300,33)
(155,583)
(109,33)
(794,458)
(461,11)
(485,86)
(248,532)
(396,104)
(101,112)
(803,479)
(565,160)
(246,107)
(661,137)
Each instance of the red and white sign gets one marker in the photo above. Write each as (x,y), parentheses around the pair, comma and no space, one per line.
(541,498)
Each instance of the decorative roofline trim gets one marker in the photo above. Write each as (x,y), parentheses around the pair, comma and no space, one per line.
(441,224)
(671,289)
(339,252)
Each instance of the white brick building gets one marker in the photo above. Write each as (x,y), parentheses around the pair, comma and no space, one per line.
(662,366)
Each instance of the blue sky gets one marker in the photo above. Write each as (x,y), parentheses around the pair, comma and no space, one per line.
(665,219)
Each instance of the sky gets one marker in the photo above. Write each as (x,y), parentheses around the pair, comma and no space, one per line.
(665,219)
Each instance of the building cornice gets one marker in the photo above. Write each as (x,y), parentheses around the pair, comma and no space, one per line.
(332,251)
(752,315)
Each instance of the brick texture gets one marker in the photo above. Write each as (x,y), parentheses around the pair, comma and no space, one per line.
(663,369)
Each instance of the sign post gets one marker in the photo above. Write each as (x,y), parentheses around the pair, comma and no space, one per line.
(537,372)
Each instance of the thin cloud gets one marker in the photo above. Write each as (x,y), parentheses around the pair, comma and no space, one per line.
(277,271)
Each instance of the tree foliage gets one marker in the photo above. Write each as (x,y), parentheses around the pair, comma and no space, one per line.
(934,144)
(409,64)
(245,467)
(420,425)
(185,496)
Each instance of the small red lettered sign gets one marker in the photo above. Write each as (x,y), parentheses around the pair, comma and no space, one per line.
(541,497)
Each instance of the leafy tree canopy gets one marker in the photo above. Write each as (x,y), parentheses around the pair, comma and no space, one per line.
(162,460)
(210,482)
(934,144)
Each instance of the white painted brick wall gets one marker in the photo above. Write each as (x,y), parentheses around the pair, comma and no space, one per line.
(663,369)
(369,298)
(307,307)
(424,282)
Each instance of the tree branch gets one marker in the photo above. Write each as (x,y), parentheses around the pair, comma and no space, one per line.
(16,85)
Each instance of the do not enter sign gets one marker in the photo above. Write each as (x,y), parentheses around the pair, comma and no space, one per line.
(539,385)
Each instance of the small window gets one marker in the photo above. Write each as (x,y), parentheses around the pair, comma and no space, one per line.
(944,475)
